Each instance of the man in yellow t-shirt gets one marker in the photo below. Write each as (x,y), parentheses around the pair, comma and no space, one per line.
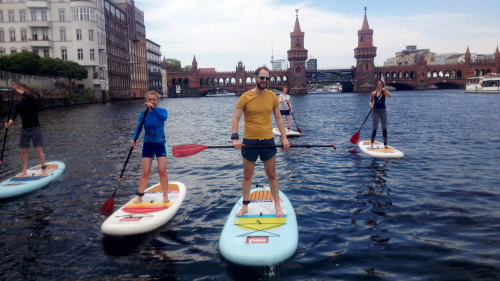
(257,105)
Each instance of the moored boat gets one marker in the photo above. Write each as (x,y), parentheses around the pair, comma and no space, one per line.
(486,84)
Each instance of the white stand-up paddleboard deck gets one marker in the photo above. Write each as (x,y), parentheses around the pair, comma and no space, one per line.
(148,215)
(379,151)
(289,133)
(259,238)
(33,180)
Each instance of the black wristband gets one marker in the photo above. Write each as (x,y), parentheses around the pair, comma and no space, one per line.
(234,136)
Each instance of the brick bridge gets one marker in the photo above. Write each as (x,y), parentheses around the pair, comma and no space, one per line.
(199,82)
(422,76)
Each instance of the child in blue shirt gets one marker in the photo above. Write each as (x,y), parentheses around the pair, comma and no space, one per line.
(155,144)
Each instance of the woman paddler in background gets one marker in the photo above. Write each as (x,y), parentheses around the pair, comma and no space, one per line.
(377,103)
(155,144)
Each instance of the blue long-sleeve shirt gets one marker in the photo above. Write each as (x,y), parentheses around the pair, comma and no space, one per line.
(154,125)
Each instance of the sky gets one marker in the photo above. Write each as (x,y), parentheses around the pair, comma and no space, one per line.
(220,33)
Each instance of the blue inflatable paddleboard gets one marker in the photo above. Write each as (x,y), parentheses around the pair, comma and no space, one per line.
(259,238)
(19,185)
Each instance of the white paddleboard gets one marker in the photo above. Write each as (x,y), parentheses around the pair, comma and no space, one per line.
(379,151)
(259,238)
(33,180)
(289,133)
(148,215)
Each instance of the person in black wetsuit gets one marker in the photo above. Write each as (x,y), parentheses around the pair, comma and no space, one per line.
(28,109)
(377,103)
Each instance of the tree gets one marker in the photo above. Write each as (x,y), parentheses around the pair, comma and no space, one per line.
(52,67)
(76,71)
(174,64)
(23,62)
(187,68)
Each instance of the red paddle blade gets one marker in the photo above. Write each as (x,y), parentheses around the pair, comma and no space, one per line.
(108,207)
(355,138)
(299,130)
(185,150)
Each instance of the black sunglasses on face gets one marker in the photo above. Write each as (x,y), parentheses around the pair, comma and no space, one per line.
(263,78)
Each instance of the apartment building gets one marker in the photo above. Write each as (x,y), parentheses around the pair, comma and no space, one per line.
(65,29)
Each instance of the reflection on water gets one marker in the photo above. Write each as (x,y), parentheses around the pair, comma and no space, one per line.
(432,215)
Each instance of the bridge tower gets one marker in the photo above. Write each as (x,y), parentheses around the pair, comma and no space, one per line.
(365,53)
(297,56)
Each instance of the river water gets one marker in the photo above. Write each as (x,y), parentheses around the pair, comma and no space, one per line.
(433,215)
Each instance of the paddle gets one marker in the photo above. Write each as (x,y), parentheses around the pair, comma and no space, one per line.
(298,129)
(355,137)
(108,207)
(185,150)
(6,129)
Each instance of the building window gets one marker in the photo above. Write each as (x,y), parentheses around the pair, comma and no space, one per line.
(35,51)
(34,35)
(62,33)
(91,35)
(46,53)
(64,54)
(2,53)
(2,39)
(80,54)
(1,16)
(45,34)
(24,37)
(92,54)
(44,15)
(12,33)
(11,16)
(61,15)
(78,34)
(22,15)
(33,15)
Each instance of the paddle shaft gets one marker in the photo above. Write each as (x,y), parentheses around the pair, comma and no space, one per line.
(271,146)
(7,129)
(371,109)
(298,129)
(130,152)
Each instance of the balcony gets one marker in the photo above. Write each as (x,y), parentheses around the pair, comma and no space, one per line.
(39,43)
(38,24)
(37,4)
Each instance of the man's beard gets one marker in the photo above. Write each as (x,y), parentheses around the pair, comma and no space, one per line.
(260,87)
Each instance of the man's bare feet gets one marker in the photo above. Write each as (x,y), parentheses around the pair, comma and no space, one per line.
(165,198)
(23,174)
(242,211)
(43,173)
(138,200)
(279,212)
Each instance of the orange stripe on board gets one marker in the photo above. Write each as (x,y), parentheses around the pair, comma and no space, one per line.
(261,195)
(171,187)
(381,149)
(49,166)
(143,207)
(369,142)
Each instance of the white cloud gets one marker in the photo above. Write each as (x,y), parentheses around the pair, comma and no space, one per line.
(222,32)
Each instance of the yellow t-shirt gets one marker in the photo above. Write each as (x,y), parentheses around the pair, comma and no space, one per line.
(257,109)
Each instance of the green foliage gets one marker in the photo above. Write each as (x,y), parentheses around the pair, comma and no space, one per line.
(52,67)
(174,64)
(31,63)
(24,62)
(187,68)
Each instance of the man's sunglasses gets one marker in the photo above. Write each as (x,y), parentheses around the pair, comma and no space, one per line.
(263,78)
